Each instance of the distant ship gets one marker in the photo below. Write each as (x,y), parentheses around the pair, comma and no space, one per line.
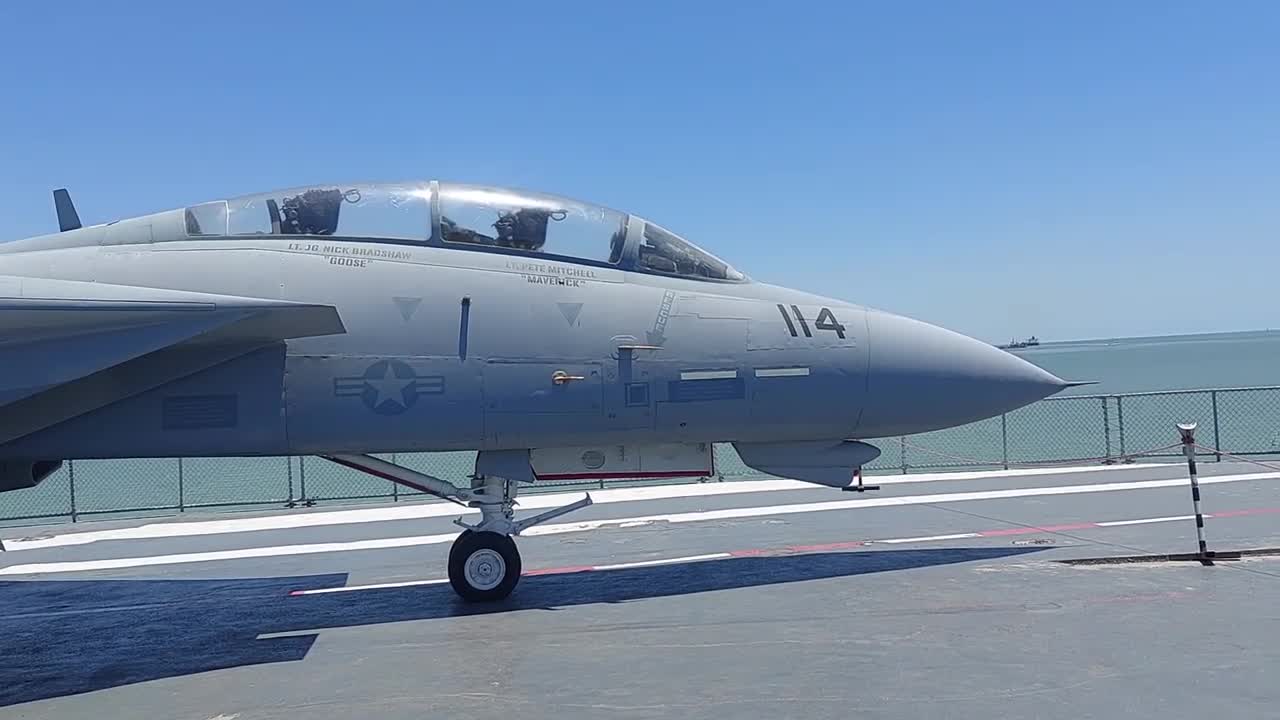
(1017,344)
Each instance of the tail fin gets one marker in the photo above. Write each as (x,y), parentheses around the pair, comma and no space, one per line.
(68,219)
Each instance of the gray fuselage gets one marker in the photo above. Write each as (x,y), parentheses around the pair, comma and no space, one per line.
(452,348)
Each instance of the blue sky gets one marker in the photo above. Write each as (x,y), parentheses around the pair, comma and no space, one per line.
(1071,170)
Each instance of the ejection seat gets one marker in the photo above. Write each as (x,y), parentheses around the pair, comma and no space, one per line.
(314,212)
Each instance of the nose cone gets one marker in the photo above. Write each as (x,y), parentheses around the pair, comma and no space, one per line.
(922,377)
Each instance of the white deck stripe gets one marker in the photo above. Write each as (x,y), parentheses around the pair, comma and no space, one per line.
(727,514)
(928,538)
(379,586)
(708,374)
(739,513)
(667,561)
(527,502)
(1146,521)
(262,552)
(782,372)
(726,555)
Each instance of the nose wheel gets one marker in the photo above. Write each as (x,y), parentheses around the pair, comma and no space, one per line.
(483,566)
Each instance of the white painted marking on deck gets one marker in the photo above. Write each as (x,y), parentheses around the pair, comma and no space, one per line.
(666,561)
(246,553)
(378,586)
(288,634)
(421,511)
(1147,521)
(561,528)
(782,372)
(928,538)
(708,374)
(761,551)
(749,512)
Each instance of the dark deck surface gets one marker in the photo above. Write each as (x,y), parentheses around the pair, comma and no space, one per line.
(794,614)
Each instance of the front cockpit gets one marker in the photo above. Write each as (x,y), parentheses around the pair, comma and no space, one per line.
(466,217)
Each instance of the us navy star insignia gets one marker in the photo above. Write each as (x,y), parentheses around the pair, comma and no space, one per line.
(389,387)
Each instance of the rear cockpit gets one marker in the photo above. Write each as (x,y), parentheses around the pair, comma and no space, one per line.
(465,217)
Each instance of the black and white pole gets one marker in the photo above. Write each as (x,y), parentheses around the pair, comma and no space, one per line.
(1188,433)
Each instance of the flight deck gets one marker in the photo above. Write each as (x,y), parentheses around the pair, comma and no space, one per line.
(940,596)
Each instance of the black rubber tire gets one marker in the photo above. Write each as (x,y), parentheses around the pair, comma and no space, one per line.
(457,543)
(471,542)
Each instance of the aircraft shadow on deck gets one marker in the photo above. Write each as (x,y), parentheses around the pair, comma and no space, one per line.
(65,637)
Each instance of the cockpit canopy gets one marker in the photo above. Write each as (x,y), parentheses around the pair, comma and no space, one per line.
(471,217)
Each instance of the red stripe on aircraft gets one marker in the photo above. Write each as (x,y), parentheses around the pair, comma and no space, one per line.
(622,475)
(378,473)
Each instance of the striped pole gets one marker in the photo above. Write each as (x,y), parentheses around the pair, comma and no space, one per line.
(1188,433)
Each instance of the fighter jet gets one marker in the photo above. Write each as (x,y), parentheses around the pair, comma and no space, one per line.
(558,338)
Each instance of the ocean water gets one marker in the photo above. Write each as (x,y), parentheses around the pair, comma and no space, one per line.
(1087,423)
(1175,362)
(1132,408)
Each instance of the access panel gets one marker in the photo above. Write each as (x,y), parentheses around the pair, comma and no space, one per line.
(538,387)
(532,403)
(623,461)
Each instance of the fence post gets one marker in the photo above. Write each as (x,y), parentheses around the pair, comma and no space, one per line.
(289,474)
(1217,439)
(902,452)
(395,487)
(302,482)
(1106,430)
(71,484)
(182,504)
(1004,439)
(1120,421)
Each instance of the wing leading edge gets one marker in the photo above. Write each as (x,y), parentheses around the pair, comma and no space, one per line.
(71,347)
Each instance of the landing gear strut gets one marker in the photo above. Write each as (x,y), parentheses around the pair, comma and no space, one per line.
(484,564)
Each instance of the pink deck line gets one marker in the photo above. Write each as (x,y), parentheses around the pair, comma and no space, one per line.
(829,547)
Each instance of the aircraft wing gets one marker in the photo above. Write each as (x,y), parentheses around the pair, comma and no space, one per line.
(68,347)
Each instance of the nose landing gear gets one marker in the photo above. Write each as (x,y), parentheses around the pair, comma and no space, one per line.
(484,563)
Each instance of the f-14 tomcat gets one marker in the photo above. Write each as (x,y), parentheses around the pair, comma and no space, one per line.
(557,338)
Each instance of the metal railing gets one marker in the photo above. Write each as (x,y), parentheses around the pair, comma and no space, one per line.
(1078,429)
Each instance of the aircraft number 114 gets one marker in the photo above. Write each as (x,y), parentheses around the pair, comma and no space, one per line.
(826,320)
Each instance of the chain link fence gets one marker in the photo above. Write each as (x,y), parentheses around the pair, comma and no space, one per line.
(1079,429)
